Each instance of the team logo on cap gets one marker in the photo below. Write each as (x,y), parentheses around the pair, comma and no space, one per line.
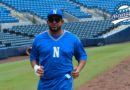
(54,11)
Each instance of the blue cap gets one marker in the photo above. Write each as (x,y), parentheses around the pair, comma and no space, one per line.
(55,12)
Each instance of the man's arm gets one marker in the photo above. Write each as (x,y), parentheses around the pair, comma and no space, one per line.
(33,63)
(78,68)
(34,56)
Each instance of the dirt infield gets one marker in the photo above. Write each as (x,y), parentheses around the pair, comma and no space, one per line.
(116,79)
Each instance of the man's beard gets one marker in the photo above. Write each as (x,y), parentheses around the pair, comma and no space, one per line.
(55,29)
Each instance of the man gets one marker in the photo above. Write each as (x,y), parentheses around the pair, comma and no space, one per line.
(52,52)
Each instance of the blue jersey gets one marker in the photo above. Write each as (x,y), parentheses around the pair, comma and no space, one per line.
(56,54)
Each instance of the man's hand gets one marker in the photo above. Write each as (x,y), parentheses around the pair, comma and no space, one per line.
(78,68)
(39,70)
(75,73)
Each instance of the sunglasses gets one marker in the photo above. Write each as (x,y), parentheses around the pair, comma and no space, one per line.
(56,19)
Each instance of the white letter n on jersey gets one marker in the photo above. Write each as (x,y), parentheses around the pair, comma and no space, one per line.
(56,52)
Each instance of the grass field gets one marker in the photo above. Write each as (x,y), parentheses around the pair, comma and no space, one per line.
(20,76)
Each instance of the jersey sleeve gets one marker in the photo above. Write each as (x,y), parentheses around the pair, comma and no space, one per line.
(34,52)
(79,52)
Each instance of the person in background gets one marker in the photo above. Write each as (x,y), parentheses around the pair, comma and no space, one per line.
(28,51)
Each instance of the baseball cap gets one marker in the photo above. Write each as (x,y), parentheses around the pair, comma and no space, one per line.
(57,12)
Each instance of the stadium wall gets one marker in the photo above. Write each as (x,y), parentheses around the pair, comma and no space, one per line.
(122,36)
(12,51)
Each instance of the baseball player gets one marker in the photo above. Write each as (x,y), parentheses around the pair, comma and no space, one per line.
(52,52)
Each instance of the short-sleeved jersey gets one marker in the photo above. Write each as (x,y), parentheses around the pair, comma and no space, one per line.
(56,54)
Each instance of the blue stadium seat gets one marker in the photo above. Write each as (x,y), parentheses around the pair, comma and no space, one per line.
(5,16)
(108,6)
(42,7)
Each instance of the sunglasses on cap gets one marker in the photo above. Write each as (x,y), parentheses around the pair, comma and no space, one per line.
(56,19)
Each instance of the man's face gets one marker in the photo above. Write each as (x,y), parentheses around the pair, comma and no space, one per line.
(55,22)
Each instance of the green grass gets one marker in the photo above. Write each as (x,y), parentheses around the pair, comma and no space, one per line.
(20,76)
(17,76)
(101,59)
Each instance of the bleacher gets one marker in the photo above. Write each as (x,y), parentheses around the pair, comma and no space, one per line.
(10,40)
(109,6)
(87,29)
(27,30)
(41,7)
(5,16)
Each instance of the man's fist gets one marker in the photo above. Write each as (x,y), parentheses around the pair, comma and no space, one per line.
(39,70)
(75,73)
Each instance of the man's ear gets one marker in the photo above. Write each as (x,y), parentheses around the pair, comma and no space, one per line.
(62,21)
